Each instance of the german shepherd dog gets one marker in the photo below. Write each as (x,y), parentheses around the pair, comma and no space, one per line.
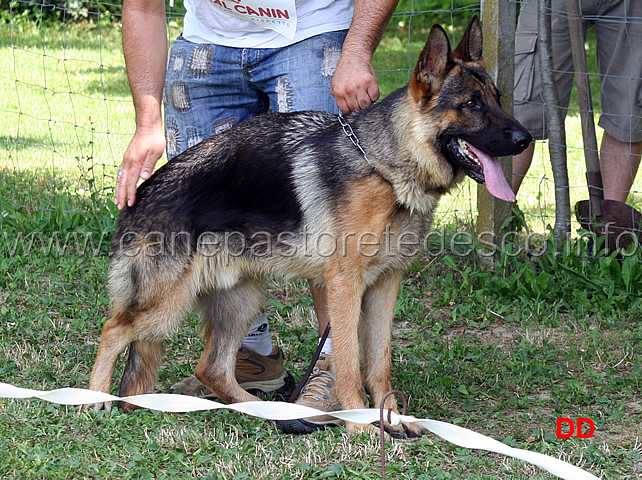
(291,194)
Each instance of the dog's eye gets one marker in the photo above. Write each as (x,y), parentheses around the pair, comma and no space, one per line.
(472,103)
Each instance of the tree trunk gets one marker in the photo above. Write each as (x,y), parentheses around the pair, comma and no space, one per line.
(555,124)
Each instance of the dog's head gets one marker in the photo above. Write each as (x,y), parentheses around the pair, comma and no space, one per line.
(472,129)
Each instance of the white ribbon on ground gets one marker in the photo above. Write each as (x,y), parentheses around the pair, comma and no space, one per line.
(163,402)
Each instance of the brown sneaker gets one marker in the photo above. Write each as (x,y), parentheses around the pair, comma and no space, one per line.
(258,373)
(319,392)
(254,372)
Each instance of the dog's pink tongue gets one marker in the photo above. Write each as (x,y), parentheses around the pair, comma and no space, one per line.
(494,176)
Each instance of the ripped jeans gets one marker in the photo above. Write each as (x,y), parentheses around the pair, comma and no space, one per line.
(209,88)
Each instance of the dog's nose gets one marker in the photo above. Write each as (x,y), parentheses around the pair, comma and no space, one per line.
(521,138)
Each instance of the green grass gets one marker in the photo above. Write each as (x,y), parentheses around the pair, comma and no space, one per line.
(504,364)
(504,354)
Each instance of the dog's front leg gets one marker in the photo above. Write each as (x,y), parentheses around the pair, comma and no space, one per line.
(345,291)
(378,311)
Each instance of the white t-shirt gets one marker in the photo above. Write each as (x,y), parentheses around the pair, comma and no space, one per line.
(263,23)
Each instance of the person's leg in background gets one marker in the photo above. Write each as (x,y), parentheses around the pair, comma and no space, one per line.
(619,163)
(619,36)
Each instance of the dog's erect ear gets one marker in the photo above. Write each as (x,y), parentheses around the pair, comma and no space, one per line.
(470,47)
(435,61)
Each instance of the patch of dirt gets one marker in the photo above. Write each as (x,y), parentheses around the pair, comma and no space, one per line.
(502,336)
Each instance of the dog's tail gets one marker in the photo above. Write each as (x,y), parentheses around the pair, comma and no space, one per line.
(140,371)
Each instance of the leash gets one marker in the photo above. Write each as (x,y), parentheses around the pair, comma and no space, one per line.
(308,372)
(347,129)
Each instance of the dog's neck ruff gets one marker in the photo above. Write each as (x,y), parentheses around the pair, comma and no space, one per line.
(409,194)
(379,170)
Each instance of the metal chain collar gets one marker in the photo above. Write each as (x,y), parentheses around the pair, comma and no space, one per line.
(347,129)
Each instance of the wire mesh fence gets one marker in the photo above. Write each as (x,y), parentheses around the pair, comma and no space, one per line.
(611,34)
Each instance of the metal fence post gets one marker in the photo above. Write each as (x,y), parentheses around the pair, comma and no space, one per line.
(498,25)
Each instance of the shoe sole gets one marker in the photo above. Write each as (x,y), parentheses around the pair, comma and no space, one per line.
(266,385)
(282,386)
(301,426)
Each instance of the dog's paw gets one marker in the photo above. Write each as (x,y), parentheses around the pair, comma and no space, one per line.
(97,407)
(401,431)
(404,430)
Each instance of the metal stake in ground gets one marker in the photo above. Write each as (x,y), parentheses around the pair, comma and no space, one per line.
(382,432)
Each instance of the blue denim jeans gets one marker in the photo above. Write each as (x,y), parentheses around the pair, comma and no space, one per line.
(209,88)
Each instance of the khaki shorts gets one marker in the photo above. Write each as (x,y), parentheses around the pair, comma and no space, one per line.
(618,29)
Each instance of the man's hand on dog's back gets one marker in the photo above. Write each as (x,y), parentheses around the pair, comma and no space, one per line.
(139,161)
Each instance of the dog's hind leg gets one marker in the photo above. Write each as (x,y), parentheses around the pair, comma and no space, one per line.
(154,322)
(226,317)
(376,330)
(146,309)
(143,333)
(116,336)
